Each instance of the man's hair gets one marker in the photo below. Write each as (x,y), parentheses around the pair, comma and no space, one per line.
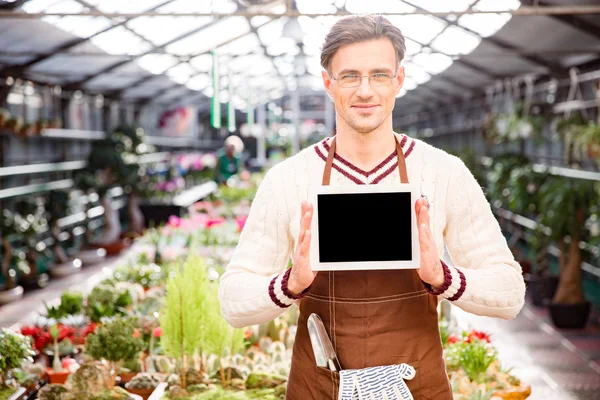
(360,28)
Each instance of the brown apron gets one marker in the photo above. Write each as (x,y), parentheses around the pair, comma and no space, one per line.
(373,318)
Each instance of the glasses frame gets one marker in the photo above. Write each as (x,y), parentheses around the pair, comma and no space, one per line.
(366,76)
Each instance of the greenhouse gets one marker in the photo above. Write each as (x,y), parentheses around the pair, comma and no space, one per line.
(299,199)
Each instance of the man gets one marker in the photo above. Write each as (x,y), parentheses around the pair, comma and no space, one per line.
(373,318)
(228,159)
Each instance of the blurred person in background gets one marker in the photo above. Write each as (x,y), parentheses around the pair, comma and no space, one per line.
(229,161)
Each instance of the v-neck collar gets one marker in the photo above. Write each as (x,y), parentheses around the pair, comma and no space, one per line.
(358,175)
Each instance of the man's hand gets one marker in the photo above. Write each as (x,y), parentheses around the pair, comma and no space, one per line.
(431,270)
(302,276)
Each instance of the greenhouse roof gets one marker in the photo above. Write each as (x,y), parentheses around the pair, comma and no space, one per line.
(160,50)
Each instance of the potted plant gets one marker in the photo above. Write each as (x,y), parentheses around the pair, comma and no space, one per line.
(106,301)
(4,116)
(9,289)
(115,341)
(56,374)
(143,384)
(564,208)
(30,222)
(58,206)
(15,350)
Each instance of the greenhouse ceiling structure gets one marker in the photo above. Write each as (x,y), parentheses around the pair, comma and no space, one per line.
(160,51)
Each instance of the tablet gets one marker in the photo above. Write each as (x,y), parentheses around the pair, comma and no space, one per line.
(362,227)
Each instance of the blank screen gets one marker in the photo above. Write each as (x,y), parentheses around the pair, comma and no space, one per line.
(365,227)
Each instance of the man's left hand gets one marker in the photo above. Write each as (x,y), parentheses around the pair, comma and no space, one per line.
(431,270)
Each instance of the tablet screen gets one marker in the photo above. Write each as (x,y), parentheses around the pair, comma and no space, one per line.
(356,227)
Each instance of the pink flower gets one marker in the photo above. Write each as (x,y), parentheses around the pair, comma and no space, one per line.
(241,222)
(214,221)
(136,333)
(248,333)
(157,332)
(171,186)
(174,221)
(197,165)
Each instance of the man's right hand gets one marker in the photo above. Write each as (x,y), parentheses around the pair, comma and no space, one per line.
(302,275)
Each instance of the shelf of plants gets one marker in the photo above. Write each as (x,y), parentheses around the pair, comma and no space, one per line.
(154,328)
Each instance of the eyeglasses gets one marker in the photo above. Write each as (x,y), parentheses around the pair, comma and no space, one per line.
(354,80)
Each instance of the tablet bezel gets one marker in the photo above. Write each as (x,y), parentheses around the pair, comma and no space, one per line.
(315,190)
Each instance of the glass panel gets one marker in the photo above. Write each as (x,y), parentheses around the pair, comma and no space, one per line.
(128,6)
(432,63)
(409,84)
(269,33)
(455,41)
(316,6)
(83,26)
(283,46)
(444,5)
(416,73)
(163,29)
(313,66)
(494,5)
(198,82)
(377,6)
(181,73)
(36,6)
(210,37)
(244,45)
(199,6)
(484,24)
(157,63)
(242,63)
(120,41)
(420,28)
(259,20)
(412,47)
(202,63)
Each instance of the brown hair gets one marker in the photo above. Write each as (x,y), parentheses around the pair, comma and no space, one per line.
(361,28)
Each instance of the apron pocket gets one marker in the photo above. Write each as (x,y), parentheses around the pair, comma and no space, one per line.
(327,384)
(414,384)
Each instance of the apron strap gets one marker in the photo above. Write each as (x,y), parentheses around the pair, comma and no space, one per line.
(331,154)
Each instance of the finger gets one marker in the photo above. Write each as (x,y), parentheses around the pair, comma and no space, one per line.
(306,243)
(418,205)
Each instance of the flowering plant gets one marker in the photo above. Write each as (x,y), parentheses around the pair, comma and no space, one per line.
(42,337)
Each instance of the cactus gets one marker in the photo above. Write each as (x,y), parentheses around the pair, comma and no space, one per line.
(173,380)
(264,343)
(165,365)
(52,392)
(143,381)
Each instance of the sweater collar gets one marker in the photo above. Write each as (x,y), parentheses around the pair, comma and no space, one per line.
(358,175)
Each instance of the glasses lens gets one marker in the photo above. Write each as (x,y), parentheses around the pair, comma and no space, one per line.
(349,81)
(380,80)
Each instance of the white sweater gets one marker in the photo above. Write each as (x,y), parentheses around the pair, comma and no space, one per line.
(492,284)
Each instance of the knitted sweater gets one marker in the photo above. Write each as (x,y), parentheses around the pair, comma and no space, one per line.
(484,279)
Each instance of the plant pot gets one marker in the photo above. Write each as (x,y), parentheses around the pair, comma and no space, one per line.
(143,393)
(115,248)
(570,316)
(19,394)
(66,269)
(57,377)
(518,393)
(35,282)
(127,376)
(10,295)
(91,256)
(541,288)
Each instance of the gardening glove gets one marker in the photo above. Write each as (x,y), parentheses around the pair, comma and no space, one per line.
(376,383)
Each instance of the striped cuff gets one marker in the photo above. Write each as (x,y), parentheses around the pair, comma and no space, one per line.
(278,291)
(285,290)
(454,284)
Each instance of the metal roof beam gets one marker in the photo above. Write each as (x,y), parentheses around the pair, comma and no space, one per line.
(119,64)
(522,11)
(555,68)
(575,22)
(70,44)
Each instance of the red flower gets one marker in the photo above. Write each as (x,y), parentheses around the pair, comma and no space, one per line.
(482,336)
(157,332)
(136,333)
(452,339)
(248,333)
(89,329)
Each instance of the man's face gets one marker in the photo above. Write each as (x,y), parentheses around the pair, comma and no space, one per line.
(364,108)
